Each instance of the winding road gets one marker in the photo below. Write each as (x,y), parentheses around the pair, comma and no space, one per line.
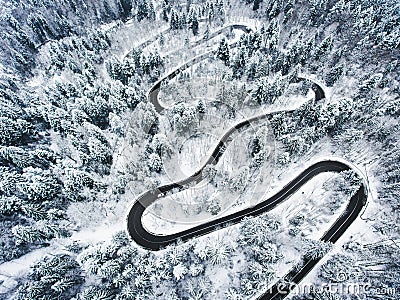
(155,89)
(156,242)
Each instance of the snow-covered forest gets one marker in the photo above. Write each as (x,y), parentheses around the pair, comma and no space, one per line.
(80,140)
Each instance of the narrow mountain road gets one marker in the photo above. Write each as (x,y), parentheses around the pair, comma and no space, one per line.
(156,242)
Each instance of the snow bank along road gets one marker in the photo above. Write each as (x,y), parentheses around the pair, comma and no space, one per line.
(156,242)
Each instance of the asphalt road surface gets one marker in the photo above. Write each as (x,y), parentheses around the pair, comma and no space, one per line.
(156,242)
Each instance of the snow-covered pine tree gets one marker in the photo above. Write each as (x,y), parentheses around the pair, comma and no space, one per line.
(154,163)
(333,75)
(195,24)
(114,68)
(14,132)
(316,249)
(206,33)
(125,9)
(223,52)
(161,145)
(324,48)
(143,10)
(239,62)
(166,8)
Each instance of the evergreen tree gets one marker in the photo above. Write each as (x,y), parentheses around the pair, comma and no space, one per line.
(333,75)
(39,26)
(316,249)
(195,24)
(239,63)
(161,40)
(201,108)
(211,12)
(117,125)
(256,146)
(23,159)
(258,231)
(219,253)
(219,12)
(147,118)
(238,182)
(145,10)
(75,184)
(256,4)
(108,13)
(206,33)
(166,8)
(117,105)
(181,20)
(14,132)
(97,109)
(274,10)
(114,69)
(58,276)
(41,185)
(161,146)
(37,233)
(173,23)
(152,14)
(100,155)
(338,264)
(183,118)
(265,92)
(21,35)
(233,294)
(214,206)
(288,15)
(142,10)
(179,271)
(126,9)
(223,51)
(323,48)
(209,173)
(288,6)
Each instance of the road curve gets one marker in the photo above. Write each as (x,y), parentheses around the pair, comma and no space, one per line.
(155,89)
(156,242)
